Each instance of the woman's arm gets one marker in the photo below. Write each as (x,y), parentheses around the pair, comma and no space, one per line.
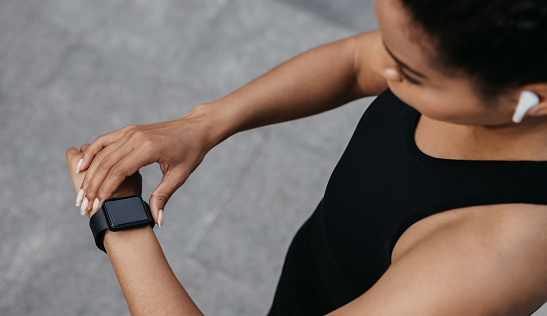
(492,263)
(486,260)
(316,81)
(149,285)
(313,82)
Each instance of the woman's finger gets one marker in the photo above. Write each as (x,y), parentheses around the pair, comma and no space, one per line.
(84,147)
(99,144)
(125,168)
(98,158)
(73,155)
(171,181)
(102,166)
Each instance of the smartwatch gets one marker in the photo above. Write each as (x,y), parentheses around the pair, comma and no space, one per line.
(119,214)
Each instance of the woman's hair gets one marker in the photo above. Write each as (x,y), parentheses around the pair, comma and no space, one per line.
(502,44)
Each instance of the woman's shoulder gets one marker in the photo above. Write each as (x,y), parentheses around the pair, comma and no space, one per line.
(496,252)
(483,260)
(366,45)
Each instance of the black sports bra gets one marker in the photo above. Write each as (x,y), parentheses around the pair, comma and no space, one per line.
(382,185)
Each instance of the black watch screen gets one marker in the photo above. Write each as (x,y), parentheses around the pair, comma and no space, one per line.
(126,212)
(119,214)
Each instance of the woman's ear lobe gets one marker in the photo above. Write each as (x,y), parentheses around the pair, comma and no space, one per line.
(539,110)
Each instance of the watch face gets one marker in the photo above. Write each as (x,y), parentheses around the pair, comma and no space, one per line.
(128,212)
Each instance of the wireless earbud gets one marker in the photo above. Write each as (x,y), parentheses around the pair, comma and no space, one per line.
(527,100)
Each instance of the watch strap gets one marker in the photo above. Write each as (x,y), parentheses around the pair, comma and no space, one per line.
(99,225)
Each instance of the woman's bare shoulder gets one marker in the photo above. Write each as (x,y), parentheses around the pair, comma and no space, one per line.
(485,260)
(366,46)
(491,256)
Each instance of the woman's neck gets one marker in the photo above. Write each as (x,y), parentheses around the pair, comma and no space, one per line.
(524,141)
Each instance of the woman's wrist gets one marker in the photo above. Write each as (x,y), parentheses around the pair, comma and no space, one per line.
(218,120)
(141,269)
(127,239)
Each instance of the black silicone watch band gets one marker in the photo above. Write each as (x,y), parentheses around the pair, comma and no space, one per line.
(99,224)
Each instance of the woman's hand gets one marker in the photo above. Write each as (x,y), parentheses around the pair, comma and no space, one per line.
(178,146)
(137,258)
(295,89)
(132,185)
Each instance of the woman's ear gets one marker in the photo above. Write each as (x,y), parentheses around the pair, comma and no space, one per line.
(532,102)
(527,101)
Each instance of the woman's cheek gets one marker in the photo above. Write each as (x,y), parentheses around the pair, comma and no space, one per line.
(423,102)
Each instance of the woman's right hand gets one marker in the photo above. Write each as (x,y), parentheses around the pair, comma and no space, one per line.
(178,146)
(295,89)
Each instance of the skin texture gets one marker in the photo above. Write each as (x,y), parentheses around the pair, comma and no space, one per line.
(148,283)
(442,265)
(295,89)
(449,102)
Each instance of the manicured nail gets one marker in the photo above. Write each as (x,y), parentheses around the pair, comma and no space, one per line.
(80,197)
(83,209)
(79,165)
(95,205)
(160,218)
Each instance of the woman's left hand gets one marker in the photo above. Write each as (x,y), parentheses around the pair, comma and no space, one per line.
(131,186)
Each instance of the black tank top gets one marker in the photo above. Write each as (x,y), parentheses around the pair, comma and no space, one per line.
(381,186)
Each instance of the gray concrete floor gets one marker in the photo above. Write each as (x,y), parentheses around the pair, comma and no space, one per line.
(73,70)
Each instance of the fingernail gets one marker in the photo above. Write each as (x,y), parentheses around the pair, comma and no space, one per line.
(160,218)
(83,209)
(80,197)
(79,165)
(95,205)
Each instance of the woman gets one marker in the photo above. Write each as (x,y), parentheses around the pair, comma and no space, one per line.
(437,206)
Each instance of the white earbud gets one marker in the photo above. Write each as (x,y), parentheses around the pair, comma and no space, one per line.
(527,100)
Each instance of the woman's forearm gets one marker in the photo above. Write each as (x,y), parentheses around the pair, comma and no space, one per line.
(313,82)
(316,81)
(149,285)
(147,281)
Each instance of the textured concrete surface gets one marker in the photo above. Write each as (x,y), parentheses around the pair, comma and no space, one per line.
(73,70)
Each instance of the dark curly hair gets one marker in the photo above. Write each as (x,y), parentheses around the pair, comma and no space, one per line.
(502,44)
